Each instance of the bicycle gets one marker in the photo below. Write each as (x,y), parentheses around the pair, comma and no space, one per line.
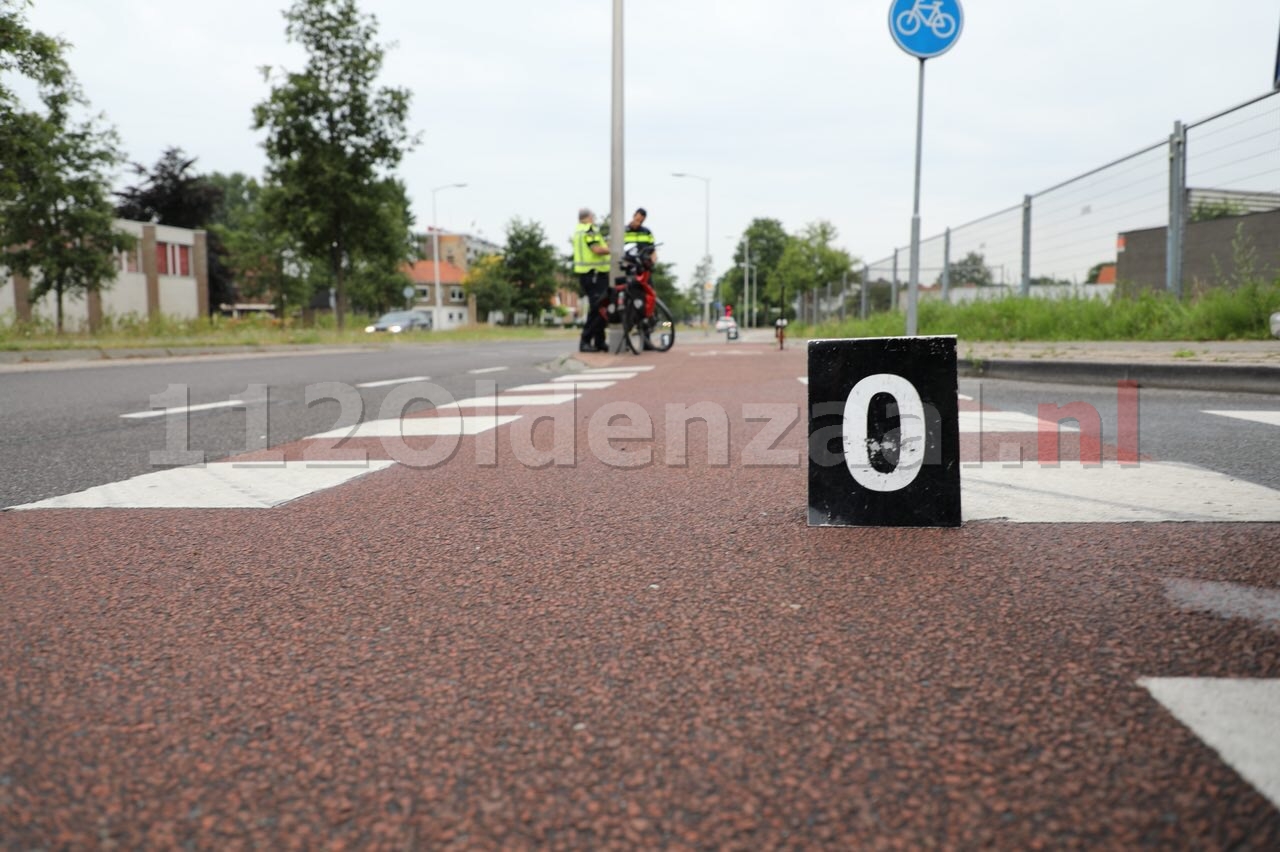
(647,322)
(928,13)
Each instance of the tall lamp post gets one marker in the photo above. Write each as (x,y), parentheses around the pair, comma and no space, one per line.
(748,276)
(435,247)
(706,241)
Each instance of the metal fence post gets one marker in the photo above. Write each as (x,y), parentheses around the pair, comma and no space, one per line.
(863,297)
(893,289)
(946,266)
(1026,245)
(844,293)
(1177,209)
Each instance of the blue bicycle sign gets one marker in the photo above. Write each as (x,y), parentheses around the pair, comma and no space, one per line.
(925,28)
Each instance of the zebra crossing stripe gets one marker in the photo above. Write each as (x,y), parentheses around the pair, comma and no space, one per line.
(1073,492)
(1238,718)
(225,485)
(420,427)
(1269,418)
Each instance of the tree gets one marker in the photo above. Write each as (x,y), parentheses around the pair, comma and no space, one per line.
(332,138)
(378,269)
(531,265)
(264,261)
(487,281)
(171,193)
(56,223)
(808,261)
(767,240)
(521,279)
(971,270)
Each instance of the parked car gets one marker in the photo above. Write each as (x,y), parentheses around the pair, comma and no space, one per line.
(398,321)
(725,323)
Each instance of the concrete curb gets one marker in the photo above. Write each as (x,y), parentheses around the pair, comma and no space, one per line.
(1234,378)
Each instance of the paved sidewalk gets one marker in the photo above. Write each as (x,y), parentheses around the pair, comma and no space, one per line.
(1245,366)
(1250,366)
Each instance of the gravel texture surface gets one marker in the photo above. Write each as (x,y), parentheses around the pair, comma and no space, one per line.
(498,656)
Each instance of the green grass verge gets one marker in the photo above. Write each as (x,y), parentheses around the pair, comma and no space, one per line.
(130,333)
(1221,314)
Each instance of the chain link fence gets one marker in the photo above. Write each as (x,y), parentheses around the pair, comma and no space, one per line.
(1199,209)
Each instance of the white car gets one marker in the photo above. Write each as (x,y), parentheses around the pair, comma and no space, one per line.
(726,323)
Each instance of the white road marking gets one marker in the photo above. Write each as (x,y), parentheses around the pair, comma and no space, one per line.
(1010,421)
(1270,418)
(636,369)
(962,396)
(484,370)
(598,377)
(215,486)
(804,380)
(512,401)
(421,427)
(183,409)
(1226,600)
(1237,718)
(560,386)
(1148,492)
(389,382)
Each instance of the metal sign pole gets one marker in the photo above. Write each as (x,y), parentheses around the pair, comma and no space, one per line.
(923,30)
(913,280)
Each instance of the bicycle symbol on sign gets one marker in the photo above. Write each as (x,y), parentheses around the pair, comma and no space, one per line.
(930,14)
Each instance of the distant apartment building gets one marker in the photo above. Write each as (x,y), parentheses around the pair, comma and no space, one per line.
(165,274)
(461,250)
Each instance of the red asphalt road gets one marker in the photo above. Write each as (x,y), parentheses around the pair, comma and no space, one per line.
(474,657)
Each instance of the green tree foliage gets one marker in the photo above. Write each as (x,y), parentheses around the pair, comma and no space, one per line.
(487,281)
(767,239)
(378,268)
(663,280)
(333,138)
(520,280)
(172,193)
(56,223)
(265,262)
(531,266)
(808,261)
(970,270)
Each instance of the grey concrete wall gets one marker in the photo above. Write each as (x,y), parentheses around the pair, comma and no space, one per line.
(1208,255)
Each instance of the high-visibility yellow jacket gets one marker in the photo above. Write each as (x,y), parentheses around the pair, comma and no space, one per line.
(584,259)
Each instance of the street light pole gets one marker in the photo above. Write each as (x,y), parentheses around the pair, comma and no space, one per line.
(706,240)
(617,162)
(435,247)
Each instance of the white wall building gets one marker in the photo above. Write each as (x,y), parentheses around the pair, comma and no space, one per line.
(165,274)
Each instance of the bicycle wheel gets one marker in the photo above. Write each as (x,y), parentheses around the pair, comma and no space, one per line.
(662,328)
(633,326)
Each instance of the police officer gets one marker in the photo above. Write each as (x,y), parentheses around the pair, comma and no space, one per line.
(637,234)
(635,237)
(591,265)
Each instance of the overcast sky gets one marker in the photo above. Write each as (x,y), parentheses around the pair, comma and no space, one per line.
(798,111)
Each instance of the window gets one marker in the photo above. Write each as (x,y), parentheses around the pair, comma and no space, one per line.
(456,294)
(162,258)
(184,260)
